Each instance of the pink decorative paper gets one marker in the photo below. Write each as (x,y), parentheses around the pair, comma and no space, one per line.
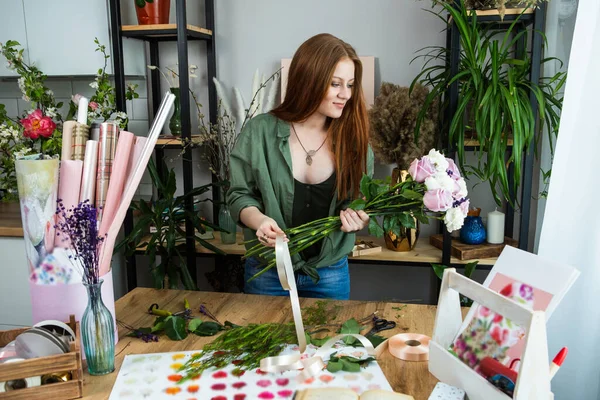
(68,187)
(140,142)
(155,376)
(81,134)
(490,334)
(117,180)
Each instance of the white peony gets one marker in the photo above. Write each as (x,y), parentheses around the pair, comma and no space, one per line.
(454,219)
(440,180)
(438,159)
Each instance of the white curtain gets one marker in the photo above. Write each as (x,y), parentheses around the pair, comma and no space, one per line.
(571,224)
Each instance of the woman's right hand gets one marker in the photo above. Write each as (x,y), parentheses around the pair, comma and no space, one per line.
(267,232)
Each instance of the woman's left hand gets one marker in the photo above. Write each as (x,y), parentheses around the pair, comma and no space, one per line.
(353,221)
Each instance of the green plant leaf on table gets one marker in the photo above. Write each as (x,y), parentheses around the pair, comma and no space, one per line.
(194,324)
(208,328)
(175,328)
(350,327)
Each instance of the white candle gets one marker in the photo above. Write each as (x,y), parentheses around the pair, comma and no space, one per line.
(495,227)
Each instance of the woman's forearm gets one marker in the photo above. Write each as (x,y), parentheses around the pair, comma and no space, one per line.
(252,217)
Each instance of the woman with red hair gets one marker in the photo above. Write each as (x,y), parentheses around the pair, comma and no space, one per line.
(304,161)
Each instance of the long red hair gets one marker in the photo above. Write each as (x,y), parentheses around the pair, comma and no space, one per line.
(309,78)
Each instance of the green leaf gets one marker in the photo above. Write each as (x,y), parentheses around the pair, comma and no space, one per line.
(411,194)
(350,366)
(319,341)
(158,326)
(143,330)
(350,326)
(374,228)
(140,3)
(175,328)
(334,366)
(439,270)
(364,186)
(407,220)
(376,340)
(194,324)
(208,329)
(470,268)
(358,204)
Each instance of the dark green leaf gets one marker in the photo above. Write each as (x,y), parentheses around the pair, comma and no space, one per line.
(158,326)
(208,328)
(140,3)
(334,366)
(175,328)
(374,228)
(470,268)
(350,326)
(319,341)
(411,194)
(358,204)
(350,366)
(364,186)
(143,330)
(229,324)
(439,270)
(376,340)
(407,220)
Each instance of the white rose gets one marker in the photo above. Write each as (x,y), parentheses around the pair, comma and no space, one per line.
(462,191)
(438,159)
(440,180)
(454,219)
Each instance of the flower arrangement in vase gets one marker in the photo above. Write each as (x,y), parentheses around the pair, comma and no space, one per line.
(78,227)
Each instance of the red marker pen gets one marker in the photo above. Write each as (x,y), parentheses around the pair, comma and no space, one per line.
(557,362)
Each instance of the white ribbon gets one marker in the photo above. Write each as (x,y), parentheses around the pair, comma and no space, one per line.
(310,366)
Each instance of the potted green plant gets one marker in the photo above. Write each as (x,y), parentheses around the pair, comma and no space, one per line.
(392,119)
(167,215)
(495,79)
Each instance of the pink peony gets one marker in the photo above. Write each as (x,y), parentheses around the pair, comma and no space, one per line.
(438,200)
(421,169)
(37,125)
(93,105)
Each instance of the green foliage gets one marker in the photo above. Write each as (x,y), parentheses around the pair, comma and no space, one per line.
(167,214)
(493,99)
(320,313)
(142,3)
(347,363)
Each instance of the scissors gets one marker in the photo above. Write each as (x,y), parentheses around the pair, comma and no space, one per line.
(186,313)
(380,324)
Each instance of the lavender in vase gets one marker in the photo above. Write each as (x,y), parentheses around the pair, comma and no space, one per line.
(79,228)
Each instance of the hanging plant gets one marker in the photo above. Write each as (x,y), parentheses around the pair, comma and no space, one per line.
(496,80)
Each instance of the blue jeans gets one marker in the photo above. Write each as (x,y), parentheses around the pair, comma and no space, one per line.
(334,282)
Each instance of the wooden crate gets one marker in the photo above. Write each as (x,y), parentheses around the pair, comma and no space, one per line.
(464,251)
(70,361)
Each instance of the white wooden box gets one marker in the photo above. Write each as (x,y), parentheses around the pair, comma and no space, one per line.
(533,382)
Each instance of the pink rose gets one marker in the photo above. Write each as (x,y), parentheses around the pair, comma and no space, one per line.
(93,105)
(438,200)
(36,125)
(453,170)
(421,169)
(464,207)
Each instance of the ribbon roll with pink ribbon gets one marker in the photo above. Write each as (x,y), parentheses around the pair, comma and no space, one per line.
(310,366)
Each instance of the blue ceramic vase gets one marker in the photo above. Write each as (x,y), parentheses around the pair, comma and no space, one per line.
(473,231)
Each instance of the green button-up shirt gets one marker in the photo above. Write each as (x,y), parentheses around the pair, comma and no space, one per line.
(261,176)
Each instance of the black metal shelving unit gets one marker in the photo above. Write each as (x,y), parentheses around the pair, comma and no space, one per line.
(181,33)
(537,20)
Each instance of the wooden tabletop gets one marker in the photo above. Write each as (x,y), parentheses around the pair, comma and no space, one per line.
(411,378)
(10,220)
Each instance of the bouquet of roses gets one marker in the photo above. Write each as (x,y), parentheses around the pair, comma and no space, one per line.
(434,185)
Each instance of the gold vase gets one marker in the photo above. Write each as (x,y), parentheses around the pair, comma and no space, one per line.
(408,237)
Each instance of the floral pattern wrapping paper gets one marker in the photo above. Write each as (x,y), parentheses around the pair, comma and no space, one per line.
(155,377)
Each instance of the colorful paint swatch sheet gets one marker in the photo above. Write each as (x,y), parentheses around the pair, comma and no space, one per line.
(155,376)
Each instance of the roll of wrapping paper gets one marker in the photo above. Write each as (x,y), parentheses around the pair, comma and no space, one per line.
(117,179)
(69,183)
(140,142)
(409,346)
(88,177)
(107,146)
(95,131)
(67,139)
(81,134)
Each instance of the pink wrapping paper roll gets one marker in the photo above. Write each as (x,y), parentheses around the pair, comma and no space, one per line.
(107,146)
(88,177)
(140,142)
(67,139)
(68,187)
(117,179)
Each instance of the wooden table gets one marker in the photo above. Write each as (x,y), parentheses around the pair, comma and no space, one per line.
(10,220)
(406,377)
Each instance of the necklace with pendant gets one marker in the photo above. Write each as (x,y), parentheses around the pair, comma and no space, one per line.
(310,153)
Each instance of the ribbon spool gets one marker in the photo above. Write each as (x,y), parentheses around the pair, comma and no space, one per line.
(409,346)
(310,366)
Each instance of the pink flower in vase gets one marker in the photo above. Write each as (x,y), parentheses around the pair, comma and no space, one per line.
(93,105)
(453,170)
(438,200)
(36,125)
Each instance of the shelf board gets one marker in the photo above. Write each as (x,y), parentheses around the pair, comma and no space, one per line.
(10,220)
(475,143)
(493,15)
(174,142)
(422,253)
(164,32)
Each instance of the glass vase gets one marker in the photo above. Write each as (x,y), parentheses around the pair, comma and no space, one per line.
(227,223)
(473,231)
(175,122)
(98,330)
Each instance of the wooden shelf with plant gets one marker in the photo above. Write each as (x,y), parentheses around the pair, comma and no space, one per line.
(496,79)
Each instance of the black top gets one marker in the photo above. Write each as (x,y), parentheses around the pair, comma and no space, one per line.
(312,202)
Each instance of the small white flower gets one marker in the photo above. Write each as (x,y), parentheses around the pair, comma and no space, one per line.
(454,219)
(23,152)
(152,67)
(21,83)
(121,115)
(438,159)
(50,92)
(94,85)
(51,112)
